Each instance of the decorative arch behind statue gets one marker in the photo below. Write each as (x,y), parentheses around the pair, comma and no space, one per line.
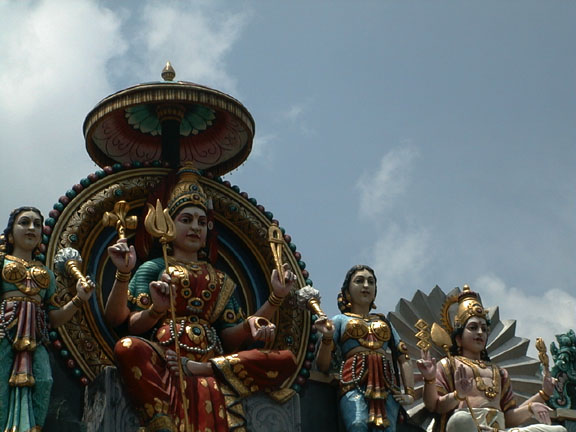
(243,253)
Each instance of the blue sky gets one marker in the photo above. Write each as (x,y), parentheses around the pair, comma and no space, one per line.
(434,141)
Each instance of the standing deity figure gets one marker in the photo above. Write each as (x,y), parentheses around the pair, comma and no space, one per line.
(468,392)
(374,357)
(208,336)
(28,308)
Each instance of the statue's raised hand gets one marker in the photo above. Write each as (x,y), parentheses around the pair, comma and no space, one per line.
(160,293)
(426,365)
(122,255)
(283,288)
(462,382)
(548,383)
(325,326)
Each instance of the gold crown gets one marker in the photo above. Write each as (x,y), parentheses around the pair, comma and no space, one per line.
(187,191)
(469,305)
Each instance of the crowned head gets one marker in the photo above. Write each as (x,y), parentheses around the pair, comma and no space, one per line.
(187,191)
(469,305)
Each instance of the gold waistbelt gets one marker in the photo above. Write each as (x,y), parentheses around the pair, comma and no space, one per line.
(23,299)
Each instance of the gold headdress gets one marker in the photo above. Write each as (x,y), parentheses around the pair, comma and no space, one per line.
(469,305)
(187,191)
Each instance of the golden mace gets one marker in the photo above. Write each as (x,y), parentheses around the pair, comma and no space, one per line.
(119,219)
(276,241)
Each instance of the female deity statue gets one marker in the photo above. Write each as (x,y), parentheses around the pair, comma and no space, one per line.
(467,381)
(370,395)
(28,308)
(210,328)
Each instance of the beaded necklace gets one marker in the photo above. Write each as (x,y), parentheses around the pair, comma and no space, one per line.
(490,391)
(356,378)
(211,335)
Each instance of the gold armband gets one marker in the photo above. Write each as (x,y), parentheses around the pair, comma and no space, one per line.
(123,277)
(77,301)
(403,350)
(274,300)
(543,395)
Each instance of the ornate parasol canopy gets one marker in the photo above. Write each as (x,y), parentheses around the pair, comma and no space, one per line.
(172,121)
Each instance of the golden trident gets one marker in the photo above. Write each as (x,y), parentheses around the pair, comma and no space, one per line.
(160,225)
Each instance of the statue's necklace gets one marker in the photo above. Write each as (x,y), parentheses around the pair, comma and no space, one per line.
(490,391)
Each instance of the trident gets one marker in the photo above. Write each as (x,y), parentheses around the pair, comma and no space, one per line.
(160,225)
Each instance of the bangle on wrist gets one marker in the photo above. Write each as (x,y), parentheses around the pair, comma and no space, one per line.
(327,340)
(123,277)
(530,408)
(274,300)
(154,313)
(457,396)
(430,381)
(410,392)
(544,395)
(77,301)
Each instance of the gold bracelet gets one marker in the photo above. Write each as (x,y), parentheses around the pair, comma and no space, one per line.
(327,340)
(123,277)
(430,381)
(77,301)
(543,395)
(457,396)
(274,300)
(154,314)
(410,392)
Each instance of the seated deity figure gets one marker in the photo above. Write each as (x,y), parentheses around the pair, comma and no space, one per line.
(468,392)
(374,357)
(210,328)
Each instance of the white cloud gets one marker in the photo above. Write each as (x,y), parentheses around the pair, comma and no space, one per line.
(296,115)
(399,255)
(50,51)
(59,60)
(54,69)
(536,316)
(262,147)
(295,112)
(195,39)
(400,248)
(379,190)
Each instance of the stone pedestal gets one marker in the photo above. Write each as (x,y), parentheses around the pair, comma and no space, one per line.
(106,409)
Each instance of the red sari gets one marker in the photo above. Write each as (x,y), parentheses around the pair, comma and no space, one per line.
(204,307)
